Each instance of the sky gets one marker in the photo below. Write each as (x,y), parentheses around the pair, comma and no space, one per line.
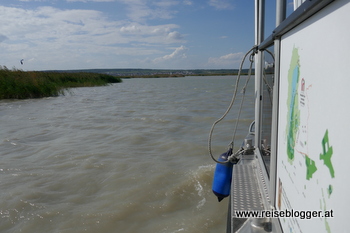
(148,34)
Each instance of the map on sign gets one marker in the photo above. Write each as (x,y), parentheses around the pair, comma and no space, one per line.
(297,126)
(302,163)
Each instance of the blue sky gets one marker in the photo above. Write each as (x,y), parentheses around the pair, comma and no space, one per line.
(157,34)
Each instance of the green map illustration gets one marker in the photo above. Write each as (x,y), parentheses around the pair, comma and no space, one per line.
(293,122)
(293,104)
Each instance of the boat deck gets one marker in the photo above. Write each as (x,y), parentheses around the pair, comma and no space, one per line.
(248,193)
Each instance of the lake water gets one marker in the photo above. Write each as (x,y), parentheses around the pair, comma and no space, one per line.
(129,157)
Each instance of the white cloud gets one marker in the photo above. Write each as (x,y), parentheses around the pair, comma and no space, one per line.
(88,0)
(52,38)
(131,29)
(187,2)
(143,10)
(137,10)
(33,0)
(178,54)
(221,4)
(226,60)
(160,34)
(175,36)
(136,28)
(165,3)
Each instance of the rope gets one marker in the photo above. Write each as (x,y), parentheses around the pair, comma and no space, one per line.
(273,56)
(228,110)
(251,59)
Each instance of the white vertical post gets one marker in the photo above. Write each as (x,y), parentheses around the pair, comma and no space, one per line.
(280,16)
(259,37)
(281,10)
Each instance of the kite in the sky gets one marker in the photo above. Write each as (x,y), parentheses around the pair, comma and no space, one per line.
(22,61)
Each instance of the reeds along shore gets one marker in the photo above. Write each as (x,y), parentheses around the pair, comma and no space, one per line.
(17,84)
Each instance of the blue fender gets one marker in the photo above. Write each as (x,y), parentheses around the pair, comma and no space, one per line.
(222,177)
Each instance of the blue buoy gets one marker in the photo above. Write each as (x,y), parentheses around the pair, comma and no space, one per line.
(223,177)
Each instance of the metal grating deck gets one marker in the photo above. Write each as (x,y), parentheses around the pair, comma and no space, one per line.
(246,192)
(245,188)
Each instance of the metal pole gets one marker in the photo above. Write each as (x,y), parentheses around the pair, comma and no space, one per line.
(259,37)
(280,16)
(281,10)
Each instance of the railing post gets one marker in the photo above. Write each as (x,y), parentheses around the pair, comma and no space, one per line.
(259,58)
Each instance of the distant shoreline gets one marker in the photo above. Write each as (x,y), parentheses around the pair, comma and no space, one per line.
(18,84)
(158,73)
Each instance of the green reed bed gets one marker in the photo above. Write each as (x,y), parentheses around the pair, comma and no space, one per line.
(17,84)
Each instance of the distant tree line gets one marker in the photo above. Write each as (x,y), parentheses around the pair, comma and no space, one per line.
(156,73)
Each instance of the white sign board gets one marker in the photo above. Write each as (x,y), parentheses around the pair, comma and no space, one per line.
(313,164)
